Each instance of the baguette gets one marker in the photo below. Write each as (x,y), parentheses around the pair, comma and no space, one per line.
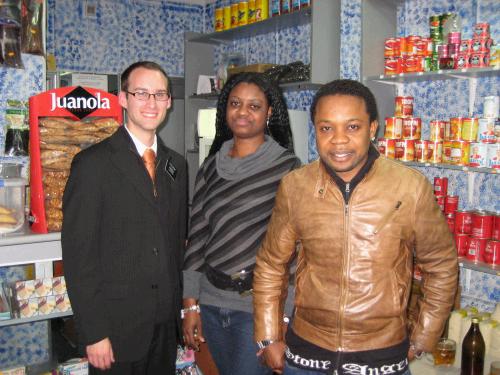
(71,149)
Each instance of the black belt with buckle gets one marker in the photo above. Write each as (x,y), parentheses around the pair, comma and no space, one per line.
(240,281)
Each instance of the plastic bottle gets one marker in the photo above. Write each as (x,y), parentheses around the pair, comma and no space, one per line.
(473,349)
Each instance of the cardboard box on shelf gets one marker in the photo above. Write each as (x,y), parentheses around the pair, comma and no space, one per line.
(43,287)
(256,68)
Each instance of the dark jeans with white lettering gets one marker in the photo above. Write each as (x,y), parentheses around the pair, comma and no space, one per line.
(292,370)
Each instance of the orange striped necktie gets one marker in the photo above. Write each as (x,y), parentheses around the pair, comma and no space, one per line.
(149,159)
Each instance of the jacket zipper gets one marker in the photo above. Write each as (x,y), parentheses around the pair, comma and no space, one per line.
(387,217)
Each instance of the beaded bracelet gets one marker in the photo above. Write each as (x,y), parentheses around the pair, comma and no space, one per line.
(188,309)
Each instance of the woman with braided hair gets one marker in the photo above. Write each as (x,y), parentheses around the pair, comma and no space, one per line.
(234,195)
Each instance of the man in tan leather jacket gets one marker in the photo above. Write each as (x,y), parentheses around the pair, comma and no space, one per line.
(361,219)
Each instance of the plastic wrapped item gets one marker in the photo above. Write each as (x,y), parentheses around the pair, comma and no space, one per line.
(17,137)
(12,203)
(10,12)
(31,38)
(12,47)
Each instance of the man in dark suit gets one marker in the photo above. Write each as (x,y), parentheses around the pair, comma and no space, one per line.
(123,236)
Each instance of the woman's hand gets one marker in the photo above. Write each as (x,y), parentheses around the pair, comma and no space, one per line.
(191,326)
(273,356)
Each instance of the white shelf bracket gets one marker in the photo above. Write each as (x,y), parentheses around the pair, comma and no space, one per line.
(471,178)
(472,94)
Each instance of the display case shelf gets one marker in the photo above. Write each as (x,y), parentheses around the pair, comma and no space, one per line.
(10,322)
(481,267)
(450,166)
(272,24)
(435,76)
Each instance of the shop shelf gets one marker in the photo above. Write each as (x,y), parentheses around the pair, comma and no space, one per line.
(481,267)
(450,166)
(10,322)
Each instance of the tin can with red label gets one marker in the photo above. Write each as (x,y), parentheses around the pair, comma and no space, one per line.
(460,151)
(441,186)
(404,106)
(486,130)
(453,50)
(450,220)
(386,147)
(391,47)
(463,221)
(462,243)
(393,127)
(422,151)
(436,128)
(479,60)
(435,152)
(442,50)
(393,66)
(482,45)
(421,47)
(465,46)
(456,124)
(493,158)
(440,201)
(478,155)
(402,45)
(462,61)
(446,156)
(411,44)
(492,252)
(412,64)
(476,249)
(405,149)
(454,37)
(482,224)
(469,129)
(450,204)
(412,127)
(496,227)
(481,30)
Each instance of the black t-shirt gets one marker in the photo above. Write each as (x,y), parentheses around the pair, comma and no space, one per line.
(386,361)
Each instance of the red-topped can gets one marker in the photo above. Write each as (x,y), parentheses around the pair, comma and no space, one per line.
(492,252)
(412,128)
(463,221)
(496,227)
(441,186)
(404,106)
(450,220)
(450,204)
(482,224)
(462,243)
(391,47)
(481,30)
(440,201)
(476,248)
(393,66)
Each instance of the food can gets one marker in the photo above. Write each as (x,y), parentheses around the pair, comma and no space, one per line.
(479,60)
(295,5)
(463,221)
(421,47)
(490,106)
(234,15)
(251,11)
(492,252)
(435,28)
(436,129)
(412,127)
(441,186)
(262,10)
(446,63)
(475,251)
(436,152)
(481,30)
(411,44)
(427,64)
(243,13)
(405,149)
(446,155)
(450,220)
(386,147)
(454,37)
(460,151)
(305,3)
(496,227)
(404,106)
(440,201)
(412,64)
(478,155)
(462,243)
(391,47)
(456,124)
(450,204)
(469,129)
(493,158)
(462,60)
(482,224)
(219,19)
(227,17)
(422,151)
(447,130)
(393,127)
(486,130)
(286,6)
(442,50)
(482,45)
(402,45)
(393,66)
(465,46)
(495,56)
(453,50)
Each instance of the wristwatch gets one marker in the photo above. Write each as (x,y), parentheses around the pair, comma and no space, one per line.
(264,343)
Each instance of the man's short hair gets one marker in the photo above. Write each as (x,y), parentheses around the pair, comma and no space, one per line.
(142,64)
(347,87)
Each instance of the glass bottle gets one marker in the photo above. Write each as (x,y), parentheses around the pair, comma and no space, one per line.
(473,349)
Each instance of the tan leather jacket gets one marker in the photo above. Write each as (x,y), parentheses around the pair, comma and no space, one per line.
(355,268)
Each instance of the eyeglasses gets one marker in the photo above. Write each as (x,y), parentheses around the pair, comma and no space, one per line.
(144,95)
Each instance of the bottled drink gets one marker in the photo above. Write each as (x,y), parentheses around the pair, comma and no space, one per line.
(473,349)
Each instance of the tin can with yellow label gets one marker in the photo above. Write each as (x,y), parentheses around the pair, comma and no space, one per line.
(251,11)
(261,10)
(234,15)
(227,17)
(469,129)
(460,151)
(243,13)
(219,19)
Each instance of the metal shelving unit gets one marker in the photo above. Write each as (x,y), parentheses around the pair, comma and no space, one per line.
(481,267)
(10,322)
(450,166)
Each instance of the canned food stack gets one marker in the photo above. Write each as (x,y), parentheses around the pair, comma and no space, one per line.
(476,232)
(408,54)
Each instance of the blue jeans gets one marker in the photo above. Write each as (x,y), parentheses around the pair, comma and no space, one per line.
(229,335)
(291,370)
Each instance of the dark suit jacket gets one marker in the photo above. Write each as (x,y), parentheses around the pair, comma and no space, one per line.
(122,247)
